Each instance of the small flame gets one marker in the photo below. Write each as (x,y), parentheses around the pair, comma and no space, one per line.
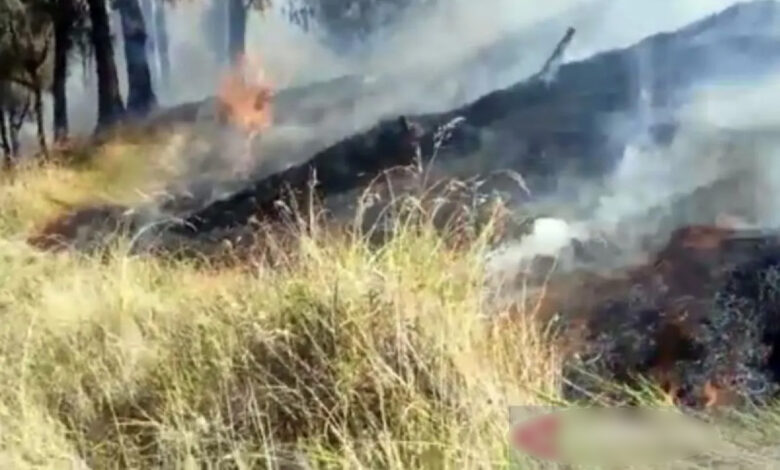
(712,395)
(244,97)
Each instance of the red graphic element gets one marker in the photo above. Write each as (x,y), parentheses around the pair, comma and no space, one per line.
(538,437)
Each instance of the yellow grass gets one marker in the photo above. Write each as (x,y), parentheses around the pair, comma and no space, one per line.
(346,357)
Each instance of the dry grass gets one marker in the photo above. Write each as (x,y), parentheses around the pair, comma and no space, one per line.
(347,356)
(127,172)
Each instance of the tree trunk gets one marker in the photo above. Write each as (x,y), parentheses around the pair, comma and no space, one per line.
(13,135)
(147,7)
(16,117)
(110,107)
(237,16)
(63,29)
(38,110)
(4,142)
(161,33)
(215,29)
(140,97)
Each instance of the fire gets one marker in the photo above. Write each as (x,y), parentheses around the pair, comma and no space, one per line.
(244,97)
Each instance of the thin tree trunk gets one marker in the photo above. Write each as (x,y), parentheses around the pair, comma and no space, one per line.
(140,97)
(147,8)
(237,16)
(215,27)
(63,29)
(13,134)
(16,118)
(38,110)
(110,107)
(161,33)
(4,142)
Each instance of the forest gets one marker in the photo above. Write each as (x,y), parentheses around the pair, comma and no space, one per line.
(41,39)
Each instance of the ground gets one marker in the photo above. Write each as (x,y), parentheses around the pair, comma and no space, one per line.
(339,355)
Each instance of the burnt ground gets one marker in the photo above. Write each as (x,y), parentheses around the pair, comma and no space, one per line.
(700,320)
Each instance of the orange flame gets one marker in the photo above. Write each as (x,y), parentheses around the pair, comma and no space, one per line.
(244,97)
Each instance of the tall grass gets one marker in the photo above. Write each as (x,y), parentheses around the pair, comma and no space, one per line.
(346,355)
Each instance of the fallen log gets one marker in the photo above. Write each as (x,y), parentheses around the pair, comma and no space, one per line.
(540,128)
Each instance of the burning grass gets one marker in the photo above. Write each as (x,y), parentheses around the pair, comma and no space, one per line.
(346,355)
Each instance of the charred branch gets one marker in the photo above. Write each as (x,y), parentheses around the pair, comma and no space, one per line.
(554,61)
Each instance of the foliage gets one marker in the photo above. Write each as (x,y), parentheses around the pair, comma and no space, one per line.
(349,23)
(25,43)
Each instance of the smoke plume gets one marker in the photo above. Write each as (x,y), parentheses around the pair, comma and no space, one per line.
(425,43)
(723,147)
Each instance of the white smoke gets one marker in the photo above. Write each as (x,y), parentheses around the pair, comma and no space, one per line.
(548,237)
(728,137)
(723,166)
(432,40)
(426,41)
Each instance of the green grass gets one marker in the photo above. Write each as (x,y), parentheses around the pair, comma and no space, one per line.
(343,356)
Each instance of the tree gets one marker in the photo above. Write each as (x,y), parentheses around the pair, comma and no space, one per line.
(26,40)
(161,40)
(226,22)
(66,15)
(157,41)
(15,107)
(140,96)
(110,106)
(214,25)
(5,143)
(348,23)
(237,17)
(68,18)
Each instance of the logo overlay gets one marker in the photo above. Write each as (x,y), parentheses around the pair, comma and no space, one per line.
(605,436)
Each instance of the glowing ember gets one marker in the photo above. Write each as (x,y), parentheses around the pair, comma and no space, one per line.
(244,97)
